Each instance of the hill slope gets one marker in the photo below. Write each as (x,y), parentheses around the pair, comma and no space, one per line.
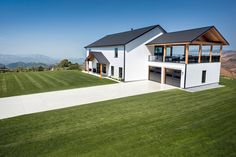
(228,66)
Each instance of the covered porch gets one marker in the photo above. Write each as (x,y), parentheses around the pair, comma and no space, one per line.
(97,63)
(202,45)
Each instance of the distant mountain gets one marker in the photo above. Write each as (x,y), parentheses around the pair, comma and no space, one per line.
(25,65)
(36,58)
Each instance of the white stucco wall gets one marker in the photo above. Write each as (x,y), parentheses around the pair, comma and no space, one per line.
(194,74)
(176,66)
(136,59)
(109,53)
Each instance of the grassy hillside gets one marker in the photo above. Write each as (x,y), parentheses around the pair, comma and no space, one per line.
(168,123)
(34,82)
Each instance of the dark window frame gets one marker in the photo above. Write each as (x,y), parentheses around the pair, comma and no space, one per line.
(116,52)
(104,68)
(112,70)
(120,72)
(203,76)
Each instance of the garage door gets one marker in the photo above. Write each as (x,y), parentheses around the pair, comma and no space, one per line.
(155,74)
(173,77)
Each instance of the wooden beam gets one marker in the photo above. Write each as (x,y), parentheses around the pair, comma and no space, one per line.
(205,43)
(186,53)
(169,44)
(164,54)
(211,53)
(100,71)
(200,54)
(221,48)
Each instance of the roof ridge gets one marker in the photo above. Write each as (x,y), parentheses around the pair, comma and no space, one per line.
(192,29)
(133,30)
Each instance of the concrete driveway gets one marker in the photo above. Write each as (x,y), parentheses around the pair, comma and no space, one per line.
(26,104)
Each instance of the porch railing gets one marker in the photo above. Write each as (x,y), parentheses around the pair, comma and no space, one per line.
(181,58)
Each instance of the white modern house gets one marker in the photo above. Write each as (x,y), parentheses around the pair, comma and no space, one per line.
(184,59)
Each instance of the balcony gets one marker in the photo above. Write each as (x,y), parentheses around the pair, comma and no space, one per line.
(181,59)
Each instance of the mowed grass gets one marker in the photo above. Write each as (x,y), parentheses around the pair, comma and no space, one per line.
(164,124)
(34,82)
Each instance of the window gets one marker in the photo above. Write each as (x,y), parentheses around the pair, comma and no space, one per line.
(112,70)
(169,51)
(104,68)
(116,52)
(98,67)
(203,76)
(120,72)
(158,51)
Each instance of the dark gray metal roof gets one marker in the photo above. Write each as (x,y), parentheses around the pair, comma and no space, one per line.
(99,56)
(180,36)
(122,38)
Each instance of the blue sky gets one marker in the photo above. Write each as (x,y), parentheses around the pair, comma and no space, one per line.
(61,28)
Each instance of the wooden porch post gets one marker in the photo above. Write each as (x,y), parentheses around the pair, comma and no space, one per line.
(221,48)
(200,53)
(164,54)
(211,53)
(100,71)
(186,53)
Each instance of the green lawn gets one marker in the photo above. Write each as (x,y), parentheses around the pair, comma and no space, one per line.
(168,123)
(34,82)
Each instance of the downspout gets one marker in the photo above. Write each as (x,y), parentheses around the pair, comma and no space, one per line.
(124,63)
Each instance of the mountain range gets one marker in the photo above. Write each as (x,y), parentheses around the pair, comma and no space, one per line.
(6,59)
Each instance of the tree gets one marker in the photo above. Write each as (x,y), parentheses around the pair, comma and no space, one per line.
(64,63)
(40,68)
(75,66)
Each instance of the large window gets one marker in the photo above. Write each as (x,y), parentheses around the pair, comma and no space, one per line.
(116,53)
(216,53)
(193,54)
(203,76)
(158,51)
(169,51)
(120,72)
(112,70)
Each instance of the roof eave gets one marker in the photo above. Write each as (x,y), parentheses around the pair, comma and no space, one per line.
(104,46)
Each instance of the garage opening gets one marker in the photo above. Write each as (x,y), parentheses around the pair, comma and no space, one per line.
(173,77)
(155,74)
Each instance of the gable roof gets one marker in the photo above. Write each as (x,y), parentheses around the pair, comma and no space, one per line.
(99,57)
(122,38)
(190,35)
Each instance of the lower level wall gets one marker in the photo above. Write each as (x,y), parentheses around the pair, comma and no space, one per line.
(194,74)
